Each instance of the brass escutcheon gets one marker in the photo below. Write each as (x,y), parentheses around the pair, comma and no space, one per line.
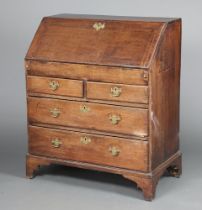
(84,108)
(54,85)
(55,112)
(114,119)
(85,140)
(116,91)
(114,151)
(98,26)
(56,143)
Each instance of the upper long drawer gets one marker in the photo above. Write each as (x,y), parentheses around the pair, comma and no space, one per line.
(107,118)
(54,86)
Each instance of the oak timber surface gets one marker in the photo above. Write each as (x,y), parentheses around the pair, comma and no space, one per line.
(120,43)
(106,92)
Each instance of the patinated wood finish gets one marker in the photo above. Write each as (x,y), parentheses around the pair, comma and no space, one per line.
(125,93)
(89,148)
(103,94)
(96,116)
(54,86)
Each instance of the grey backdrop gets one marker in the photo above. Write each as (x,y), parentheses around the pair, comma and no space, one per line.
(64,188)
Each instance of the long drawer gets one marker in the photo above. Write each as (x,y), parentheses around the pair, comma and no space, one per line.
(103,150)
(88,72)
(101,117)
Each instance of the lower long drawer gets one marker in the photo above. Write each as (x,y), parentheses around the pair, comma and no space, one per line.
(97,149)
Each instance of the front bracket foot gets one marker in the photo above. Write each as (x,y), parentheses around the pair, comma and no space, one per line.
(33,164)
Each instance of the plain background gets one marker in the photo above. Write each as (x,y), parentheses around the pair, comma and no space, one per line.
(67,188)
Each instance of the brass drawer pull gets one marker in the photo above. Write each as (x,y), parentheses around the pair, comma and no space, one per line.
(56,143)
(54,85)
(98,26)
(85,140)
(116,91)
(84,108)
(114,119)
(114,151)
(55,112)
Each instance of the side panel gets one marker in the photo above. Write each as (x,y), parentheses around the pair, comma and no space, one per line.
(164,96)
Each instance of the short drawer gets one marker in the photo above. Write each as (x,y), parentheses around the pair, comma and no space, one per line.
(101,117)
(54,86)
(117,92)
(103,150)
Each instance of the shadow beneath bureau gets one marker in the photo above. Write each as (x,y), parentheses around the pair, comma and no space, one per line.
(147,182)
(91,179)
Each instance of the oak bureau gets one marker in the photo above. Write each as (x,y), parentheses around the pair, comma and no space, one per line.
(103,94)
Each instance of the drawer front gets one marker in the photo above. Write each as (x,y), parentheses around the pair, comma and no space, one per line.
(117,92)
(88,72)
(103,150)
(109,118)
(54,86)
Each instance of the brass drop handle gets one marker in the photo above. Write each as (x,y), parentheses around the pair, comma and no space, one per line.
(114,151)
(54,85)
(55,112)
(85,140)
(116,91)
(98,26)
(114,119)
(56,143)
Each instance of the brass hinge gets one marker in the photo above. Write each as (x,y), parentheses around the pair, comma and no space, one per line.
(27,65)
(145,76)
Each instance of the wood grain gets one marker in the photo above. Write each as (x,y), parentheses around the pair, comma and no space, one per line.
(133,154)
(73,88)
(141,56)
(133,120)
(129,93)
(125,43)
(164,103)
(87,72)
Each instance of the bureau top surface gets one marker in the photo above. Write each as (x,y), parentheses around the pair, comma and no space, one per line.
(121,18)
(98,40)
